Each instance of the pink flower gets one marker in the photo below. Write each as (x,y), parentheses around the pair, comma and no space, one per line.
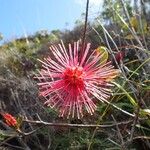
(72,84)
(9,119)
(119,56)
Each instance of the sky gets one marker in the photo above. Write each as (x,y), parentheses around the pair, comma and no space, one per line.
(25,17)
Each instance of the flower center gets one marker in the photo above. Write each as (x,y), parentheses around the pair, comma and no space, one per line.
(74,79)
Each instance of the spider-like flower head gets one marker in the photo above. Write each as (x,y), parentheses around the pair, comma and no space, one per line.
(74,80)
(71,83)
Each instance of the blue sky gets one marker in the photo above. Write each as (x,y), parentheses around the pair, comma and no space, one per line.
(20,17)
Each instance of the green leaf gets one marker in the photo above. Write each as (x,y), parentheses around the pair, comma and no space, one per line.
(103,51)
(132,101)
(145,112)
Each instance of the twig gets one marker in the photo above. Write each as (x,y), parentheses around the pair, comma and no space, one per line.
(29,133)
(141,137)
(136,117)
(14,146)
(134,124)
(2,143)
(130,26)
(79,125)
(119,135)
(118,108)
(84,32)
(75,125)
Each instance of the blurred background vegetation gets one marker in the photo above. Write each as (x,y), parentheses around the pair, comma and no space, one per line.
(122,28)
